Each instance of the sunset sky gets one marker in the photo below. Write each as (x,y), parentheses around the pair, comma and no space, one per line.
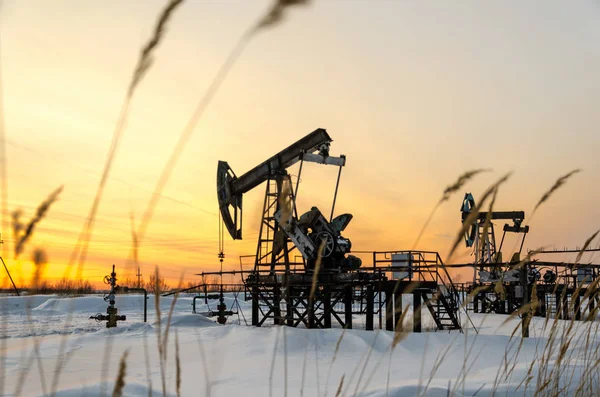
(413,93)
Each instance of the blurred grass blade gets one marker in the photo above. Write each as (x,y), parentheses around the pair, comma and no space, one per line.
(340,387)
(586,246)
(177,366)
(559,182)
(146,56)
(275,15)
(120,382)
(474,214)
(3,158)
(460,182)
(39,215)
(79,253)
(316,270)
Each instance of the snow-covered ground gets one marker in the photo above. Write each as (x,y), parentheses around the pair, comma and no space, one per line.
(236,359)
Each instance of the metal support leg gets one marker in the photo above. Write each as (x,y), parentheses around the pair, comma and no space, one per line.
(398,311)
(370,306)
(389,309)
(327,307)
(311,313)
(348,307)
(289,304)
(417,312)
(277,320)
(558,303)
(541,309)
(565,307)
(255,310)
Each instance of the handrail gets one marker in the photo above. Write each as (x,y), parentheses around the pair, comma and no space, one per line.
(427,265)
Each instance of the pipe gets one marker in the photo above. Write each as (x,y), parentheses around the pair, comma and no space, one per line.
(194,303)
(206,297)
(127,289)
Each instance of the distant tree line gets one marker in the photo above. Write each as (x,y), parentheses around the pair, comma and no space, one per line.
(63,286)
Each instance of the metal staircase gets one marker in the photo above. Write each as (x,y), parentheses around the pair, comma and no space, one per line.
(444,302)
(443,309)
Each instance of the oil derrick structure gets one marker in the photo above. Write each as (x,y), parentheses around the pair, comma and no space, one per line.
(276,276)
(488,266)
(507,285)
(481,235)
(111,317)
(342,288)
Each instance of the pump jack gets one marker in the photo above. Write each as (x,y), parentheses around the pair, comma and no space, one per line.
(278,231)
(294,292)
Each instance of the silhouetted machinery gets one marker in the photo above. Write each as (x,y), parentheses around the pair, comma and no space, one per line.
(311,233)
(483,238)
(281,228)
(294,292)
(505,286)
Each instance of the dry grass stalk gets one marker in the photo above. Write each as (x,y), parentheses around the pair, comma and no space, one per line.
(147,364)
(276,13)
(25,232)
(79,253)
(177,366)
(364,367)
(335,352)
(303,377)
(340,387)
(436,366)
(34,355)
(3,173)
(120,382)
(474,214)
(586,245)
(40,259)
(16,224)
(462,376)
(450,189)
(559,182)
(399,336)
(361,364)
(208,383)
(460,182)
(146,56)
(160,346)
(273,16)
(134,239)
(316,271)
(488,221)
(285,363)
(170,315)
(285,201)
(272,370)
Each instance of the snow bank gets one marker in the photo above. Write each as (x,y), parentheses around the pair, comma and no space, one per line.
(20,304)
(188,320)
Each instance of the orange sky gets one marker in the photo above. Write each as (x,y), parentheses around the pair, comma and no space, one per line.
(414,93)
